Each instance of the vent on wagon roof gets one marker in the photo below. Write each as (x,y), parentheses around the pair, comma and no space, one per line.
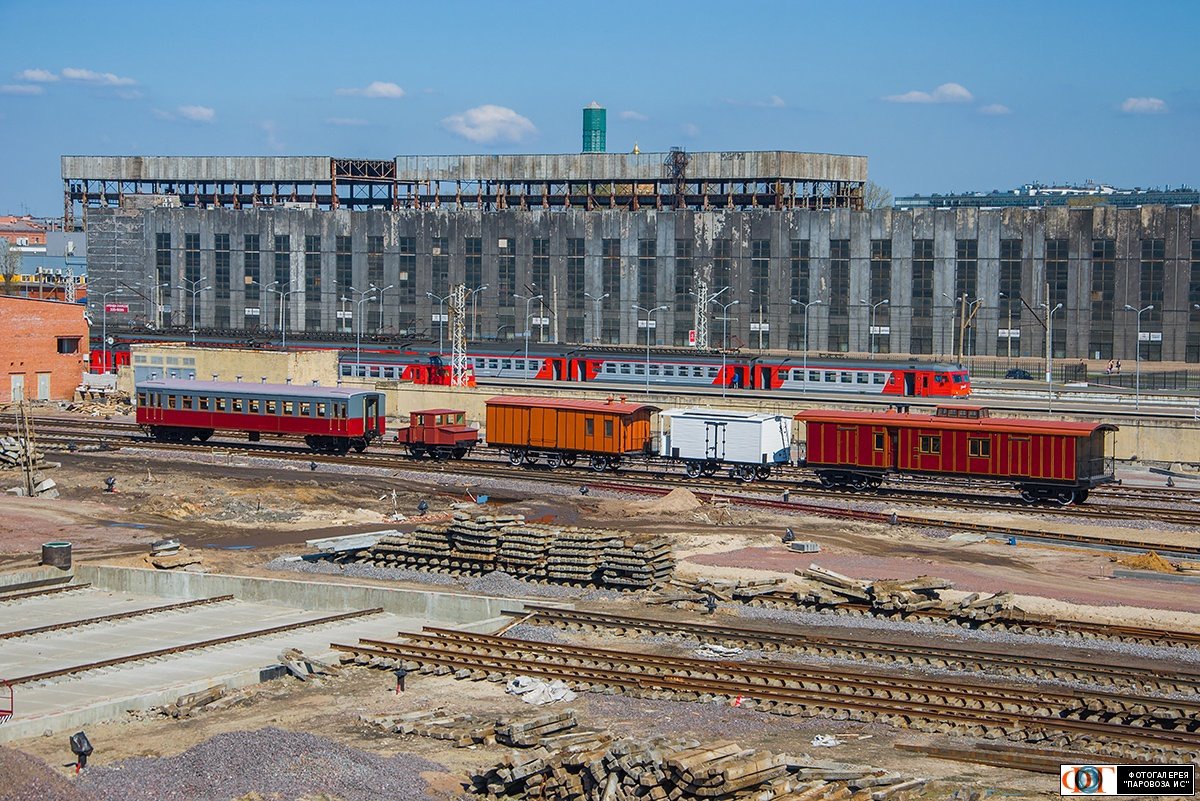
(965,412)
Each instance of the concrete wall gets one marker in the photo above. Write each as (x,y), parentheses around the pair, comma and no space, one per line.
(30,331)
(123,250)
(435,606)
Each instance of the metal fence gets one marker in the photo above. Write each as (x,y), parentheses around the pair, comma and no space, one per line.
(1166,380)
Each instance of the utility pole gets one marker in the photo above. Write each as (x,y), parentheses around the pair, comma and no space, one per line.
(458,336)
(702,299)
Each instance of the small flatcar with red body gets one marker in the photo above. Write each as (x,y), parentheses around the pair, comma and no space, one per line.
(331,419)
(440,433)
(562,430)
(1046,460)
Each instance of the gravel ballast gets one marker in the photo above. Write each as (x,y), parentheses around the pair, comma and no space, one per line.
(275,763)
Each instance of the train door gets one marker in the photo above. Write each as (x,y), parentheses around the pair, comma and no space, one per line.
(910,384)
(714,441)
(557,366)
(371,413)
(847,445)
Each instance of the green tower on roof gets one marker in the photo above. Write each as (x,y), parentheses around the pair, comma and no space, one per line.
(594,128)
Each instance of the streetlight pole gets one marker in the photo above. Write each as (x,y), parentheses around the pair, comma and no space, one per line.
(358,315)
(598,301)
(1137,356)
(874,307)
(725,334)
(649,314)
(441,316)
(104,323)
(379,328)
(283,294)
(475,310)
(1049,353)
(528,302)
(195,290)
(804,320)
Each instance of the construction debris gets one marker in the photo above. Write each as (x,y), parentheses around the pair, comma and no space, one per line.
(538,691)
(303,667)
(563,554)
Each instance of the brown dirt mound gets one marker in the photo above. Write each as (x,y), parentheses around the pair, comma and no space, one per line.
(1147,561)
(27,778)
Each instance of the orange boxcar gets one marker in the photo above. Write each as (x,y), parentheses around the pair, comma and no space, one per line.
(560,430)
(1045,459)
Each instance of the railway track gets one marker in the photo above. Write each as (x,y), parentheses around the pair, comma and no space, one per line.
(976,659)
(931,704)
(91,621)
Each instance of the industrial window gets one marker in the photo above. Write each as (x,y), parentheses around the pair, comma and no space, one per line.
(68,344)
(272,407)
(610,271)
(191,258)
(979,447)
(506,270)
(283,261)
(608,428)
(221,262)
(162,257)
(839,276)
(799,274)
(205,403)
(306,408)
(344,263)
(255,406)
(322,409)
(222,404)
(879,442)
(1153,259)
(540,270)
(1104,257)
(375,260)
(251,260)
(575,274)
(932,445)
(722,269)
(647,273)
(684,281)
(589,427)
(239,405)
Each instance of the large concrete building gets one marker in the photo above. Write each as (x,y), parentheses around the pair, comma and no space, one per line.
(599,234)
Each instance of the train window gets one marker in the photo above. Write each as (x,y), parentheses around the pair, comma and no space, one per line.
(306,408)
(939,379)
(639,369)
(141,399)
(339,409)
(608,428)
(322,409)
(506,364)
(879,378)
(189,402)
(862,378)
(611,369)
(878,441)
(344,369)
(493,364)
(255,406)
(272,407)
(624,369)
(712,372)
(589,427)
(222,404)
(239,404)
(979,447)
(205,403)
(932,445)
(847,378)
(374,371)
(479,363)
(830,377)
(668,369)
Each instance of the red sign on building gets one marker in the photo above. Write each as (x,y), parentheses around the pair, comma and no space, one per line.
(123,308)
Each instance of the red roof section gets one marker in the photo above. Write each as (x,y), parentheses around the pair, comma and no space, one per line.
(437,411)
(1010,425)
(610,406)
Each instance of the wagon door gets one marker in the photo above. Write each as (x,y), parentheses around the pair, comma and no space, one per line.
(714,441)
(1019,456)
(847,445)
(543,426)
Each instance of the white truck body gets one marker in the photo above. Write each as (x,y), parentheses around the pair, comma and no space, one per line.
(717,435)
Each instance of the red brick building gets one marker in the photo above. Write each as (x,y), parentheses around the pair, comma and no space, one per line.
(43,345)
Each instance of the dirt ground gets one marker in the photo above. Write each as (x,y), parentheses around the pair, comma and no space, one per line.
(241,515)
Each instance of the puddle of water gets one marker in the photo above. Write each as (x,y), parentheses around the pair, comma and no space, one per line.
(230,547)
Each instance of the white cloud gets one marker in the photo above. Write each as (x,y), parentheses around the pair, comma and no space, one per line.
(375,89)
(345,121)
(99,78)
(490,123)
(272,131)
(1143,105)
(691,129)
(946,93)
(774,101)
(20,89)
(995,109)
(633,116)
(197,113)
(38,76)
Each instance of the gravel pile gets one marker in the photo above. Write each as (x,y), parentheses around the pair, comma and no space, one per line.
(27,778)
(359,571)
(275,763)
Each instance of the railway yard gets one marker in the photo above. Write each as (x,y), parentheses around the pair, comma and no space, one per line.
(252,620)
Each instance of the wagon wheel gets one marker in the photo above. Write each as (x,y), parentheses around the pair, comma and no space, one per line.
(531,457)
(1065,497)
(825,480)
(360,445)
(709,469)
(459,452)
(554,460)
(693,469)
(859,483)
(569,460)
(1081,495)
(416,451)
(203,436)
(875,483)
(762,472)
(515,457)
(598,464)
(1028,496)
(341,447)
(614,463)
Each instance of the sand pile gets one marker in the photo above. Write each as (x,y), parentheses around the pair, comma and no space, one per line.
(1147,561)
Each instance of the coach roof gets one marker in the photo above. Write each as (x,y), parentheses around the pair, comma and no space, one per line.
(574,404)
(247,388)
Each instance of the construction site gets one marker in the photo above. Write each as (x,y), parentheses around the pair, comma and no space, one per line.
(242,620)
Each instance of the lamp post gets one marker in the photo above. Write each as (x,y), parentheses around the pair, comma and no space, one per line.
(969,311)
(1137,356)
(283,294)
(649,315)
(475,310)
(1008,302)
(804,321)
(760,317)
(1049,354)
(725,334)
(358,315)
(874,307)
(104,323)
(598,301)
(528,302)
(195,291)
(379,328)
(441,315)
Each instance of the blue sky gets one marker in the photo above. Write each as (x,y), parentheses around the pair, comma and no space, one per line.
(940,96)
